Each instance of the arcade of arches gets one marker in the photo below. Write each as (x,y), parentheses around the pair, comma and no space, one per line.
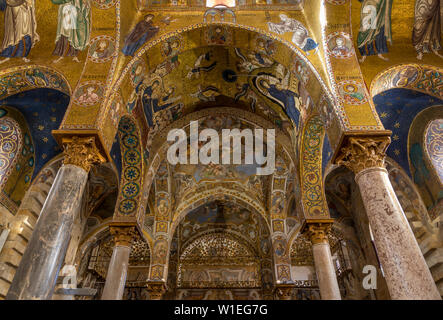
(91,207)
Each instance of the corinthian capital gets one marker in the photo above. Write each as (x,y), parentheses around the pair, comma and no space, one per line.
(123,235)
(363,153)
(81,152)
(318,232)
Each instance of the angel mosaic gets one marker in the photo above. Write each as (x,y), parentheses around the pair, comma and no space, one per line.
(300,35)
(139,35)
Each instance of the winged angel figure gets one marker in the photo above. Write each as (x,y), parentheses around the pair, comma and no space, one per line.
(300,34)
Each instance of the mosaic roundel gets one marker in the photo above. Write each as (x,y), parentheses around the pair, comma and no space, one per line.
(88,93)
(339,45)
(130,141)
(127,206)
(132,157)
(131,190)
(102,49)
(132,173)
(352,92)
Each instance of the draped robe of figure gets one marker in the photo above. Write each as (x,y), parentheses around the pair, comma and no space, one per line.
(74,27)
(20,28)
(141,33)
(426,34)
(375,27)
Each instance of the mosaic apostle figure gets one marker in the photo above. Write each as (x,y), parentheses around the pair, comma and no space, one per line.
(426,34)
(142,32)
(74,28)
(375,28)
(20,29)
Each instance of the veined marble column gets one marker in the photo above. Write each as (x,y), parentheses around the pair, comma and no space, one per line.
(406,272)
(324,268)
(118,266)
(37,273)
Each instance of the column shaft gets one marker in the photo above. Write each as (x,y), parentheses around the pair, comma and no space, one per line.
(324,268)
(37,273)
(117,271)
(407,274)
(327,279)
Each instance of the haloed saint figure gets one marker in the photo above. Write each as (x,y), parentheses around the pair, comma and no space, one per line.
(142,32)
(426,34)
(20,29)
(375,28)
(74,28)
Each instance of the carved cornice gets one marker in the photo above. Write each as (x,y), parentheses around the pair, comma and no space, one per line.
(156,289)
(81,152)
(318,232)
(362,153)
(123,235)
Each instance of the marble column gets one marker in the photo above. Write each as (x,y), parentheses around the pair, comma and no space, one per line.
(156,289)
(118,266)
(38,270)
(324,268)
(406,272)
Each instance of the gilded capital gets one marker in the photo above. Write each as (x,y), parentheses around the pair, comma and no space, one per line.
(318,232)
(81,152)
(123,235)
(363,153)
(156,289)
(284,291)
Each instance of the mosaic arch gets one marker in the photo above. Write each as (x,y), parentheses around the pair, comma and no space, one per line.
(423,172)
(23,78)
(132,171)
(434,145)
(18,154)
(11,144)
(225,217)
(217,193)
(159,147)
(313,198)
(422,78)
(244,38)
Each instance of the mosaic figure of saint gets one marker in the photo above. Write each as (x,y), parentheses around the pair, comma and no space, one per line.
(375,28)
(20,29)
(340,48)
(74,28)
(300,34)
(426,34)
(103,50)
(142,32)
(89,97)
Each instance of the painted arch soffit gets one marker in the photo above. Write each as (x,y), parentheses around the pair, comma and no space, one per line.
(418,77)
(159,52)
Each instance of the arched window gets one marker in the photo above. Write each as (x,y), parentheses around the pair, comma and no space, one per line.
(10,147)
(434,145)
